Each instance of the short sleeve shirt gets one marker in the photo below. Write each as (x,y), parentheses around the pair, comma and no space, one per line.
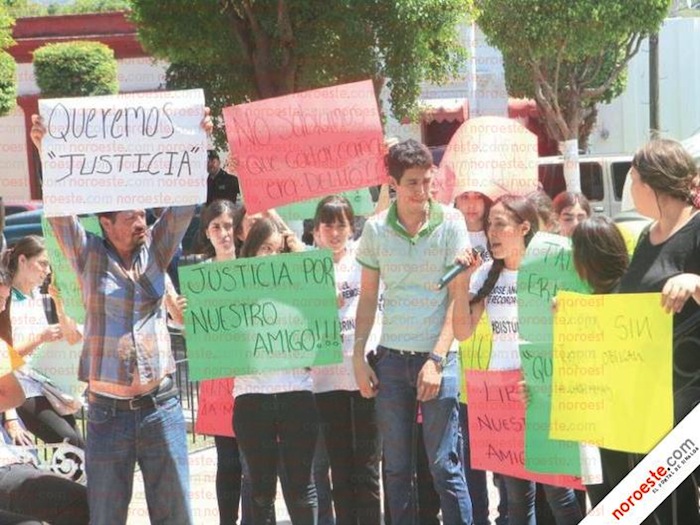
(410,267)
(501,307)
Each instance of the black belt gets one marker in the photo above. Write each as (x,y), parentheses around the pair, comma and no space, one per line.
(406,353)
(163,392)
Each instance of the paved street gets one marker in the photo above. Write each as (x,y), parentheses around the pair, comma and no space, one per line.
(202,473)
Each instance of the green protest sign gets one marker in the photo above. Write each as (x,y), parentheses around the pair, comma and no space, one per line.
(546,269)
(64,278)
(544,455)
(261,314)
(361,201)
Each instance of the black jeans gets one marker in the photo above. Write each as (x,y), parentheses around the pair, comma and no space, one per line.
(267,425)
(26,490)
(42,420)
(228,479)
(349,426)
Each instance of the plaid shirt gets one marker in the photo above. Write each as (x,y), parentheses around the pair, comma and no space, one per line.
(125,325)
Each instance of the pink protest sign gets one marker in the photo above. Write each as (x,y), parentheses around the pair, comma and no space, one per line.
(490,155)
(215,409)
(497,427)
(320,142)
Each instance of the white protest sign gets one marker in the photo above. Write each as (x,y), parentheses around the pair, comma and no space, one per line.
(122,152)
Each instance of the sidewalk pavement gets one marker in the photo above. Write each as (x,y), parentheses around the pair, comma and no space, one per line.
(202,493)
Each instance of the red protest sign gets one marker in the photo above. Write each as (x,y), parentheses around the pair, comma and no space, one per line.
(215,408)
(497,427)
(292,148)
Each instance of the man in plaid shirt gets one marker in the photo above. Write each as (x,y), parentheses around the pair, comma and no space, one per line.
(134,414)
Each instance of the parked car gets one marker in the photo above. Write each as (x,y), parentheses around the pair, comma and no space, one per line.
(602,179)
(21,224)
(13,207)
(29,223)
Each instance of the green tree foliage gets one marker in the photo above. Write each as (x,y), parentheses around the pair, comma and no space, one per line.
(75,69)
(91,6)
(8,67)
(568,55)
(241,50)
(24,8)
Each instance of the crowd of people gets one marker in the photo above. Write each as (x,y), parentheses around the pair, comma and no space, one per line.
(390,411)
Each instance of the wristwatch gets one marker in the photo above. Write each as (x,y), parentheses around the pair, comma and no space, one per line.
(438,360)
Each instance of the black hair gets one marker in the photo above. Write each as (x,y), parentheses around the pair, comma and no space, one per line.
(406,155)
(5,276)
(668,168)
(599,253)
(29,246)
(238,218)
(545,208)
(259,232)
(522,210)
(566,199)
(334,208)
(211,212)
(487,206)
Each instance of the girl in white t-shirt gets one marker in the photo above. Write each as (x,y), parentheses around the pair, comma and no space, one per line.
(512,223)
(24,325)
(475,208)
(276,413)
(348,420)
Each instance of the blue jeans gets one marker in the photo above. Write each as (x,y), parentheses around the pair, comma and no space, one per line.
(396,406)
(476,479)
(521,503)
(156,439)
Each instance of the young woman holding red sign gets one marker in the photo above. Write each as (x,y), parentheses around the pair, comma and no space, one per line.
(512,223)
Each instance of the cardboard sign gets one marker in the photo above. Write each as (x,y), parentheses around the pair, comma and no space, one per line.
(261,314)
(360,200)
(612,371)
(543,454)
(497,427)
(215,408)
(121,152)
(320,142)
(64,278)
(475,352)
(546,269)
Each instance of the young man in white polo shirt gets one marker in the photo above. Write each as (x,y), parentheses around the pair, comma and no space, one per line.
(409,247)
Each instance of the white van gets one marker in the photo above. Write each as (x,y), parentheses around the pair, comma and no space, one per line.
(602,179)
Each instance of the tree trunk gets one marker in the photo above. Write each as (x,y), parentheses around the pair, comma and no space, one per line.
(572,174)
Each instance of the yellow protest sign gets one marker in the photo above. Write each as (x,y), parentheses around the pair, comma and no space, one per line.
(630,238)
(475,352)
(9,358)
(612,371)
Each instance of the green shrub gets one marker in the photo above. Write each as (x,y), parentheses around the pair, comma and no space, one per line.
(75,69)
(8,83)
